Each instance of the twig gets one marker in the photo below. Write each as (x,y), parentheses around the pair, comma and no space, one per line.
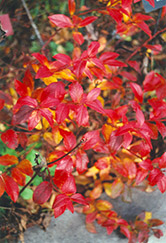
(29,182)
(145,43)
(32,23)
(54,161)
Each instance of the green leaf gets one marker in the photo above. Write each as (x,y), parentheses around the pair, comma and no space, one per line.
(27,194)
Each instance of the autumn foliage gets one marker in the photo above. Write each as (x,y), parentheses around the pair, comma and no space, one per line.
(98,114)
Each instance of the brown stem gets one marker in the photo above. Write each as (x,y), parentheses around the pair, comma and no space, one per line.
(145,43)
(32,23)
(29,182)
(54,161)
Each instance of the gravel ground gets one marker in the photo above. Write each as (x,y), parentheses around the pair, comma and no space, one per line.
(71,228)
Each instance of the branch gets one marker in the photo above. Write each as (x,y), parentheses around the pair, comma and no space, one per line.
(32,23)
(54,161)
(145,43)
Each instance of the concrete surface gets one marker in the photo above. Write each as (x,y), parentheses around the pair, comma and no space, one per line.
(71,227)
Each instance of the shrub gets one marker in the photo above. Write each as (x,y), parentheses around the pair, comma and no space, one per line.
(96,118)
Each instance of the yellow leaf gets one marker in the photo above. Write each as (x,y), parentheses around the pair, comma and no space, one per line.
(33,138)
(103,205)
(107,130)
(93,171)
(114,189)
(49,138)
(50,79)
(148,215)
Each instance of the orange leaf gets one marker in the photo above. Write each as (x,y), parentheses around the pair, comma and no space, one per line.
(18,176)
(91,228)
(8,160)
(96,192)
(2,186)
(72,7)
(25,167)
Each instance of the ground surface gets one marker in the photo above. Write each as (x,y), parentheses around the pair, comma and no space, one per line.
(71,228)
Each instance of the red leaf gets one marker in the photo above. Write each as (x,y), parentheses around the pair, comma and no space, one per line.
(115,142)
(92,95)
(146,164)
(162,184)
(41,58)
(61,20)
(78,37)
(21,88)
(72,6)
(91,217)
(34,119)
(2,102)
(11,187)
(87,20)
(162,128)
(93,48)
(142,25)
(151,82)
(79,199)
(43,72)
(115,14)
(155,48)
(65,164)
(139,114)
(63,58)
(42,192)
(8,160)
(157,233)
(91,139)
(82,116)
(79,67)
(25,101)
(97,106)
(155,222)
(124,230)
(76,92)
(62,112)
(28,81)
(10,138)
(155,176)
(18,176)
(141,175)
(135,65)
(128,75)
(69,139)
(106,56)
(22,115)
(137,91)
(48,115)
(69,187)
(81,161)
(151,2)
(60,177)
(60,200)
(7,98)
(59,211)
(2,185)
(162,161)
(22,138)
